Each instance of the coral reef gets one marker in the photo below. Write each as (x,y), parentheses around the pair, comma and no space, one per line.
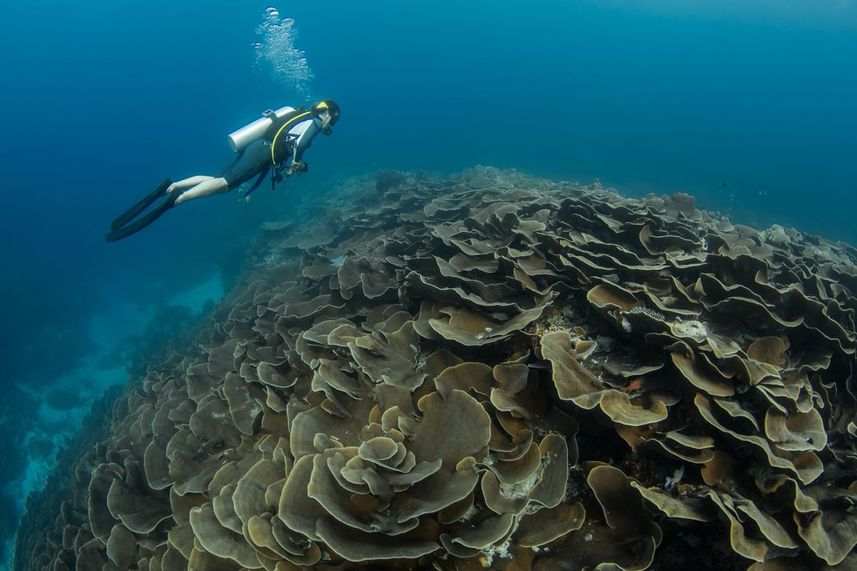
(491,371)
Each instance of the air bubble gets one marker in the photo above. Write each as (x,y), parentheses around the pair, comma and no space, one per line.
(276,51)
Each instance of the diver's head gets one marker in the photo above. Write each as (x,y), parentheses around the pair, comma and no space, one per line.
(325,113)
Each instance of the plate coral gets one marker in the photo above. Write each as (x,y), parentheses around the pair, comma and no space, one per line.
(489,371)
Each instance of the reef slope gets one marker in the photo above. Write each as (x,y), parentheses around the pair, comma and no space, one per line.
(489,371)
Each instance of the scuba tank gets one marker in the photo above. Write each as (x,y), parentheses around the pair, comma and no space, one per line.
(242,137)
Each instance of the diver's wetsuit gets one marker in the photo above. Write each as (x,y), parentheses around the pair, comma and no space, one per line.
(283,145)
(256,159)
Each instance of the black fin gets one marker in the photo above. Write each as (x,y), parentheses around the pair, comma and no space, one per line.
(129,214)
(133,228)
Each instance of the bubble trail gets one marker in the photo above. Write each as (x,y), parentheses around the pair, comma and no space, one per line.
(276,53)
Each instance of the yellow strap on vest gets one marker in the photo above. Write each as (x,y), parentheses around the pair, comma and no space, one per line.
(288,123)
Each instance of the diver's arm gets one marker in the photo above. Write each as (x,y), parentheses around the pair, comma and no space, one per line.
(297,164)
(301,145)
(207,187)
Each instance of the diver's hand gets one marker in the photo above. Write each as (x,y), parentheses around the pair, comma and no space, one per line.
(296,167)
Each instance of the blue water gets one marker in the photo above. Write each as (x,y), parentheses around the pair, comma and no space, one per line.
(747,104)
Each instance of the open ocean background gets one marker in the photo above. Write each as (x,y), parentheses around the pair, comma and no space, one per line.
(749,105)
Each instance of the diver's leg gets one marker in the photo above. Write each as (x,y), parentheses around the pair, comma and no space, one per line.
(205,188)
(129,214)
(187,183)
(136,226)
(166,187)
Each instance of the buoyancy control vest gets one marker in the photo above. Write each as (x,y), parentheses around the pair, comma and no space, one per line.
(282,143)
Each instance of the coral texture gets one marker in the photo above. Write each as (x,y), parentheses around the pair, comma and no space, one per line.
(491,371)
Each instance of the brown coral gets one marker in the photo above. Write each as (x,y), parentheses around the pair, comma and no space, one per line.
(492,371)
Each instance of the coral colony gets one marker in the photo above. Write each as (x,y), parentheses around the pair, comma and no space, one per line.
(489,371)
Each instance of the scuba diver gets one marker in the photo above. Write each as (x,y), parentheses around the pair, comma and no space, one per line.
(275,142)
